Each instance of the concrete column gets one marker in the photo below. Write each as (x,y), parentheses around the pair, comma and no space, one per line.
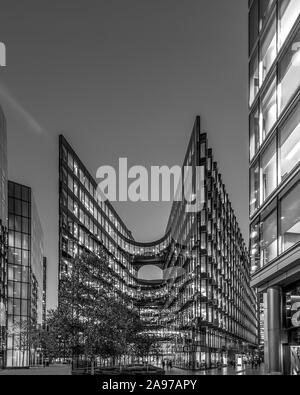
(274,329)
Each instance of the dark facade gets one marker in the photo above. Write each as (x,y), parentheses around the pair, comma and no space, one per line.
(3,238)
(44,317)
(201,305)
(25,249)
(274,121)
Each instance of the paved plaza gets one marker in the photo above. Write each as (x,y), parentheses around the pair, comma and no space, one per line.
(65,370)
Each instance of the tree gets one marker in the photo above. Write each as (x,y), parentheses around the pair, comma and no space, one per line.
(92,318)
(145,345)
(26,337)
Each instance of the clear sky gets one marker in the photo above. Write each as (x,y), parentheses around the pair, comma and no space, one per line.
(123,78)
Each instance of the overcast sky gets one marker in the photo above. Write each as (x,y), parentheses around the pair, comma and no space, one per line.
(123,78)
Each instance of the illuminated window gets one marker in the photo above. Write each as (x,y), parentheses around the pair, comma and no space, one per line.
(290,219)
(254,188)
(289,73)
(289,11)
(254,133)
(268,50)
(268,110)
(269,170)
(254,77)
(265,7)
(269,238)
(290,143)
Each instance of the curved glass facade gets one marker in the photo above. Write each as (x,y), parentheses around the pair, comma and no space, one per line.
(3,238)
(202,308)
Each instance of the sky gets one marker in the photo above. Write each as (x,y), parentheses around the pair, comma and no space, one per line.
(123,78)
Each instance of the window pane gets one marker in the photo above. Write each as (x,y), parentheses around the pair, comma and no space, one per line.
(18,222)
(25,225)
(290,219)
(290,144)
(25,209)
(268,110)
(269,238)
(253,25)
(289,73)
(254,133)
(288,13)
(268,50)
(269,170)
(265,7)
(254,78)
(254,189)
(254,247)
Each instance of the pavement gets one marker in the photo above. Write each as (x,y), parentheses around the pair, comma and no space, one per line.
(227,371)
(65,370)
(52,370)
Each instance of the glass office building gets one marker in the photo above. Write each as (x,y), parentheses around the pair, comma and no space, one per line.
(25,275)
(3,238)
(201,304)
(44,304)
(274,123)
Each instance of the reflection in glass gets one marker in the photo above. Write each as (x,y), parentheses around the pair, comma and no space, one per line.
(254,188)
(290,219)
(269,238)
(289,73)
(269,170)
(268,110)
(265,7)
(254,247)
(254,133)
(254,78)
(290,144)
(288,13)
(268,50)
(253,24)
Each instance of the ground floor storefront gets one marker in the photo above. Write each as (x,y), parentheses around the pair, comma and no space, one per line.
(282,329)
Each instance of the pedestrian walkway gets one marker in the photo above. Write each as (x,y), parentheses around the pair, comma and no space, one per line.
(227,371)
(53,370)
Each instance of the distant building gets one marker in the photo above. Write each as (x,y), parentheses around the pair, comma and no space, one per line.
(44,292)
(25,275)
(274,121)
(3,238)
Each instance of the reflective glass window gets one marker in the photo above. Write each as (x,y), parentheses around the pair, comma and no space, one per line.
(268,110)
(289,11)
(254,188)
(290,219)
(268,49)
(289,73)
(269,243)
(289,137)
(254,133)
(269,170)
(253,24)
(253,77)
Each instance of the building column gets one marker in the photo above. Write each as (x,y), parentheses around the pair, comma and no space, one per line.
(274,329)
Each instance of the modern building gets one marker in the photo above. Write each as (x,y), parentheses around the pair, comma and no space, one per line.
(44,318)
(201,304)
(25,276)
(3,238)
(274,123)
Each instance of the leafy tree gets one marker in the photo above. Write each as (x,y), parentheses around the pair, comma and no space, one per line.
(92,318)
(145,345)
(26,337)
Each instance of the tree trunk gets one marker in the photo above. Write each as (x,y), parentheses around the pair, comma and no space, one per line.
(92,367)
